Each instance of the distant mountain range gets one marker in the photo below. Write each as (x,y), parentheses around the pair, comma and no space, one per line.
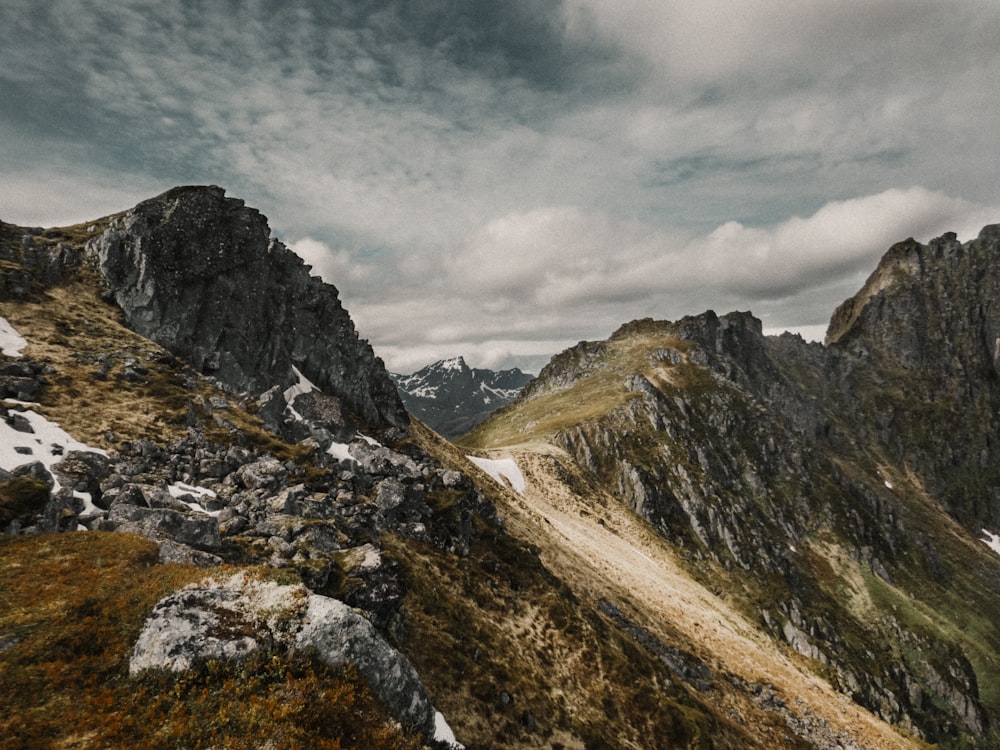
(452,398)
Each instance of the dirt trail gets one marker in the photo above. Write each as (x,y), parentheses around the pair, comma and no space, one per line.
(601,549)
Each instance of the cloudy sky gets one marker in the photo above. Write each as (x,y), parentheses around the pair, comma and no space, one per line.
(502,178)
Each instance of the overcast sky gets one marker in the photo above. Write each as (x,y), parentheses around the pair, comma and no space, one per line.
(500,179)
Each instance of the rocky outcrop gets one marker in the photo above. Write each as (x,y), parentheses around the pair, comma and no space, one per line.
(746,450)
(916,356)
(229,618)
(33,259)
(199,274)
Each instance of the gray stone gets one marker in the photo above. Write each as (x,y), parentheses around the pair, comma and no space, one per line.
(390,494)
(230,618)
(192,529)
(266,473)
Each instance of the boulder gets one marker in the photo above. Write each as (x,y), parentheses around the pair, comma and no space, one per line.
(227,619)
(192,529)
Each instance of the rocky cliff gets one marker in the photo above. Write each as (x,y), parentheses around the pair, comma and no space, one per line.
(199,274)
(840,490)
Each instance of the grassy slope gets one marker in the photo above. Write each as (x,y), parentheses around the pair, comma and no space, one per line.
(72,605)
(961,610)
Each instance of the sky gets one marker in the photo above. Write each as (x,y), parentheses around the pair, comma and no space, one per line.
(499,179)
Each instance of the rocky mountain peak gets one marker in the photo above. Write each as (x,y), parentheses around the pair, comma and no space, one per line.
(199,273)
(930,306)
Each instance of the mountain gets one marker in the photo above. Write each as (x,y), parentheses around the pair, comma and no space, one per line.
(452,398)
(687,536)
(837,497)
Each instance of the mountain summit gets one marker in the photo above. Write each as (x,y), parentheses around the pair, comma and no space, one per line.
(199,274)
(452,397)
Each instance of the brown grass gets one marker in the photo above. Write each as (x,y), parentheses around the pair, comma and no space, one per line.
(71,608)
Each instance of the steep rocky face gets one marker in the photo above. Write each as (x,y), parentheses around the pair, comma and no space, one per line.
(816,476)
(917,352)
(452,397)
(198,273)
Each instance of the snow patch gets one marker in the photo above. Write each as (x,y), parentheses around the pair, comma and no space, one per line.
(340,451)
(48,443)
(299,389)
(443,733)
(11,342)
(992,541)
(302,387)
(179,489)
(424,391)
(502,469)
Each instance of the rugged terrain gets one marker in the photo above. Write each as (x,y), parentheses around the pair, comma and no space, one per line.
(451,398)
(689,535)
(836,497)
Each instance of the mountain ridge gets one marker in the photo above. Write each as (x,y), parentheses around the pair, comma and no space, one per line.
(813,468)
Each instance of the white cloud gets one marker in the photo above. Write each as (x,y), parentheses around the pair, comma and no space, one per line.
(841,237)
(333,266)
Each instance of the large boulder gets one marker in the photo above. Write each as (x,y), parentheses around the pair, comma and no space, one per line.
(226,619)
(199,274)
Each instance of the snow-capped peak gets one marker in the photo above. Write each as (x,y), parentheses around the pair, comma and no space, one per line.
(455,363)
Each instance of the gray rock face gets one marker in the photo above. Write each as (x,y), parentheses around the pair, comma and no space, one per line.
(746,449)
(918,352)
(229,618)
(199,274)
(192,529)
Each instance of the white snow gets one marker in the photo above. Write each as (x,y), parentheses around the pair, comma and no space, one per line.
(501,469)
(454,363)
(292,392)
(443,733)
(49,444)
(179,489)
(371,441)
(11,342)
(992,541)
(424,391)
(44,443)
(340,451)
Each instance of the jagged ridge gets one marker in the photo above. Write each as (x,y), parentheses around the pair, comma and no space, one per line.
(810,474)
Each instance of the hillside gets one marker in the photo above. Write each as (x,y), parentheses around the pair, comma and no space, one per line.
(836,498)
(705,551)
(452,398)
